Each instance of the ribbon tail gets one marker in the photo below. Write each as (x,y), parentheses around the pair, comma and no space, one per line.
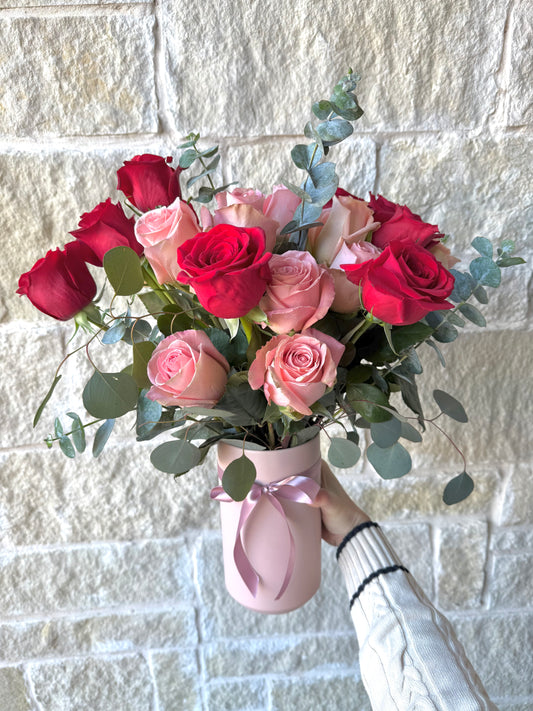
(290,563)
(245,568)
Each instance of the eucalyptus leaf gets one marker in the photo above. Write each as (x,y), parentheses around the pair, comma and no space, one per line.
(175,457)
(450,406)
(463,286)
(101,437)
(510,261)
(187,158)
(238,478)
(148,415)
(334,131)
(67,447)
(437,350)
(444,332)
(78,432)
(410,433)
(141,355)
(110,395)
(391,462)
(458,489)
(58,427)
(123,269)
(472,314)
(366,400)
(321,109)
(385,434)
(343,453)
(137,331)
(114,334)
(486,272)
(483,246)
(481,294)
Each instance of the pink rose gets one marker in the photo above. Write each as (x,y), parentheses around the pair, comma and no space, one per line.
(299,294)
(281,205)
(187,370)
(243,215)
(347,299)
(161,232)
(443,255)
(239,196)
(295,371)
(349,220)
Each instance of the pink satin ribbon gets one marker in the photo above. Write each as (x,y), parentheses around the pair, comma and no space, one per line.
(298,488)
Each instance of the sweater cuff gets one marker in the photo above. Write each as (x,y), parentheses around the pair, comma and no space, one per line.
(363,555)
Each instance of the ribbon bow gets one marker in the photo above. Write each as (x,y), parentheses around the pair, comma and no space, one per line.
(299,488)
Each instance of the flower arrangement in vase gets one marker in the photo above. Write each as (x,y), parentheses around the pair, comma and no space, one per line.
(256,324)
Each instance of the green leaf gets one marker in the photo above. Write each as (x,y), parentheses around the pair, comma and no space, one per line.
(385,434)
(472,314)
(152,302)
(334,131)
(510,261)
(343,453)
(297,191)
(506,248)
(114,334)
(245,406)
(481,294)
(458,489)
(462,287)
(47,397)
(123,269)
(486,272)
(148,416)
(137,331)
(187,158)
(366,400)
(110,395)
(58,427)
(405,336)
(67,447)
(205,194)
(437,350)
(412,362)
(173,322)
(444,332)
(234,350)
(175,457)
(142,353)
(391,462)
(450,406)
(103,433)
(483,246)
(238,478)
(306,157)
(321,109)
(409,391)
(410,433)
(78,433)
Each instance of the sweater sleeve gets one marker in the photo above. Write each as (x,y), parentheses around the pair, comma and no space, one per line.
(409,655)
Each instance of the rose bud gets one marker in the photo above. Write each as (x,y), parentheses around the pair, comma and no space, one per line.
(149,182)
(59,284)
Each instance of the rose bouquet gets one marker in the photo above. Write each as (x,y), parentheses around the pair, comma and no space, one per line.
(265,319)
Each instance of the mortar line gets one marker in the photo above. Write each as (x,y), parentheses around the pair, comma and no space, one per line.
(149,662)
(30,687)
(117,9)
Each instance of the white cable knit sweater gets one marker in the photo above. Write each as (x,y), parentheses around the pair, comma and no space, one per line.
(409,655)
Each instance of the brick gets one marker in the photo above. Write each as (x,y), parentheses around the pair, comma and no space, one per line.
(520,110)
(241,695)
(275,655)
(83,75)
(462,564)
(518,500)
(176,676)
(223,617)
(121,632)
(495,644)
(95,577)
(271,90)
(412,542)
(47,498)
(417,172)
(13,694)
(120,683)
(339,692)
(512,540)
(512,581)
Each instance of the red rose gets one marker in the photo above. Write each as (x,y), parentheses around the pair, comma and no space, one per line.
(149,182)
(227,267)
(60,284)
(105,227)
(403,284)
(398,222)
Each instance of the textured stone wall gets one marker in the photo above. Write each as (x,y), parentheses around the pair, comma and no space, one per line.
(111,588)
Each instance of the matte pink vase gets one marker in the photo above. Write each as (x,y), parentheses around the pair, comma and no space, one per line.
(265,536)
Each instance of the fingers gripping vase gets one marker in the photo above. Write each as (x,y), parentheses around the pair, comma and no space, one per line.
(271,540)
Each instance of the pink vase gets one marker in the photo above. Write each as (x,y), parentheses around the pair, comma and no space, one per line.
(266,535)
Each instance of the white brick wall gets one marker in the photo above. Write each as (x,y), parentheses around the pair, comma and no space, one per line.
(111,588)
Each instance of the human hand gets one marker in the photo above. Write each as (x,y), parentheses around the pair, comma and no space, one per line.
(339,513)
